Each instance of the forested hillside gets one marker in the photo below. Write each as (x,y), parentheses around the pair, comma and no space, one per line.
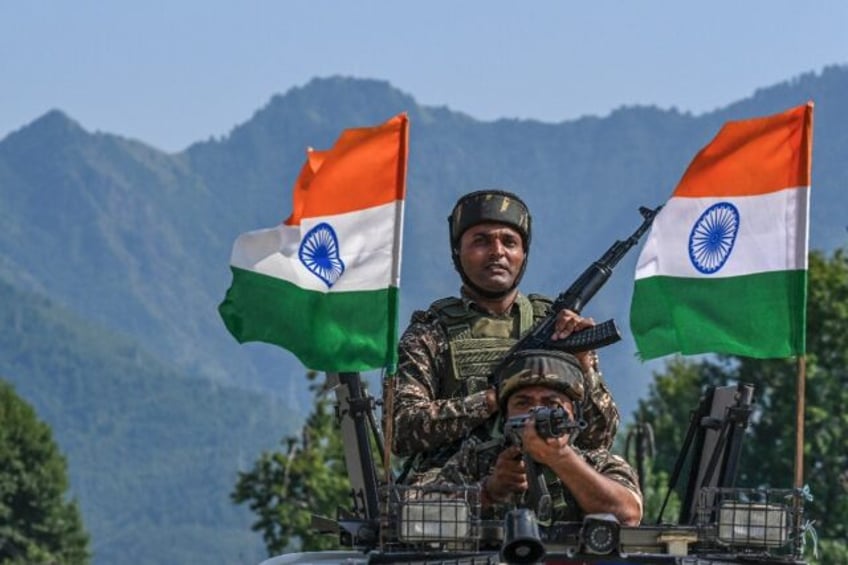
(152,454)
(138,240)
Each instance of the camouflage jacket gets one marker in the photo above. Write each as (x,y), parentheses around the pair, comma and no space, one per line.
(424,422)
(476,459)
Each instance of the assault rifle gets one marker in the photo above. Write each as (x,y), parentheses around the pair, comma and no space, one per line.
(574,298)
(580,292)
(549,422)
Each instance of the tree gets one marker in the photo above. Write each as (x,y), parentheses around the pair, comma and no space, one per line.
(284,488)
(37,524)
(771,436)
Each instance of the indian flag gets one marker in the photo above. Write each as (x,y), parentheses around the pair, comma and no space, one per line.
(724,268)
(324,284)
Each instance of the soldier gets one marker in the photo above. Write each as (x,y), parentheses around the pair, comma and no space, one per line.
(579,481)
(447,352)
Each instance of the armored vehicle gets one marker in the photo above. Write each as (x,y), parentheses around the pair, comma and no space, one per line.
(718,522)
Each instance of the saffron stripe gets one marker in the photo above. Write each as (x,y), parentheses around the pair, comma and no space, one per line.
(756,156)
(366,167)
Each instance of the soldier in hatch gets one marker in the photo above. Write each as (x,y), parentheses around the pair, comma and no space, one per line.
(579,481)
(442,391)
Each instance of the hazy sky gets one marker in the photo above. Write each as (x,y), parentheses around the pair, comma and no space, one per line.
(173,72)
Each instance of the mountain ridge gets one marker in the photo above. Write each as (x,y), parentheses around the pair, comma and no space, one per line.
(211,192)
(136,241)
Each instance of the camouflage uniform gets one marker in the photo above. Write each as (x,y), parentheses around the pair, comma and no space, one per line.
(477,456)
(430,420)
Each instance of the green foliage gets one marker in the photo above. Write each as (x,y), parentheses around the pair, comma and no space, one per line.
(37,524)
(671,397)
(826,419)
(152,455)
(640,451)
(830,552)
(284,489)
(769,451)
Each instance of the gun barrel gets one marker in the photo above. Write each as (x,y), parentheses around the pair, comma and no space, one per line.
(596,275)
(619,249)
(579,293)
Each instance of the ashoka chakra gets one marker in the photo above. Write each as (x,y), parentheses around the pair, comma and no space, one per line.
(713,236)
(319,252)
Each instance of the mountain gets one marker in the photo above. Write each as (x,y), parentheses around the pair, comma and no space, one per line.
(136,241)
(152,455)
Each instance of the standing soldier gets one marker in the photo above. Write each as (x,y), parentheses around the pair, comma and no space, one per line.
(448,351)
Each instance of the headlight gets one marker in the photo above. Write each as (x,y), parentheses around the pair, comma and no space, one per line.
(753,524)
(439,520)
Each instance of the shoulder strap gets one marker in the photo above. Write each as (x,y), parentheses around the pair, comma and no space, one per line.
(451,312)
(541,305)
(456,317)
(526,312)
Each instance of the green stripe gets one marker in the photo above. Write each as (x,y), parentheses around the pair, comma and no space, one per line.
(333,332)
(762,315)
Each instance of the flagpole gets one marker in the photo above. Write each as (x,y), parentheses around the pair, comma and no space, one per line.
(389,410)
(388,439)
(799,421)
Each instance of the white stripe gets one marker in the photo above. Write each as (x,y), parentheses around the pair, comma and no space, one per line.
(772,236)
(364,237)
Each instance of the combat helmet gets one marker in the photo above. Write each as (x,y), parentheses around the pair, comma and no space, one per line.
(539,367)
(553,369)
(482,206)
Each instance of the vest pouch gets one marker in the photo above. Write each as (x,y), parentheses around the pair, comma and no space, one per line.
(474,359)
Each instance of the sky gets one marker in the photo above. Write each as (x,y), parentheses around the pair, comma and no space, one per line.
(170,73)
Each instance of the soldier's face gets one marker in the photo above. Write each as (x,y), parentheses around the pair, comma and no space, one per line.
(491,255)
(523,400)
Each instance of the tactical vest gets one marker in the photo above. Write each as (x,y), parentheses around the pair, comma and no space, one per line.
(477,342)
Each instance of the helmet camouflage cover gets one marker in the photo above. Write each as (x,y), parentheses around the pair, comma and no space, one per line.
(539,367)
(489,206)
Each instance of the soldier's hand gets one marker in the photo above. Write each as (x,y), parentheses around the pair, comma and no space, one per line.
(509,475)
(544,451)
(568,322)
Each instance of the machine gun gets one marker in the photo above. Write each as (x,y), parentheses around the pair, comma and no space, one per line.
(550,423)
